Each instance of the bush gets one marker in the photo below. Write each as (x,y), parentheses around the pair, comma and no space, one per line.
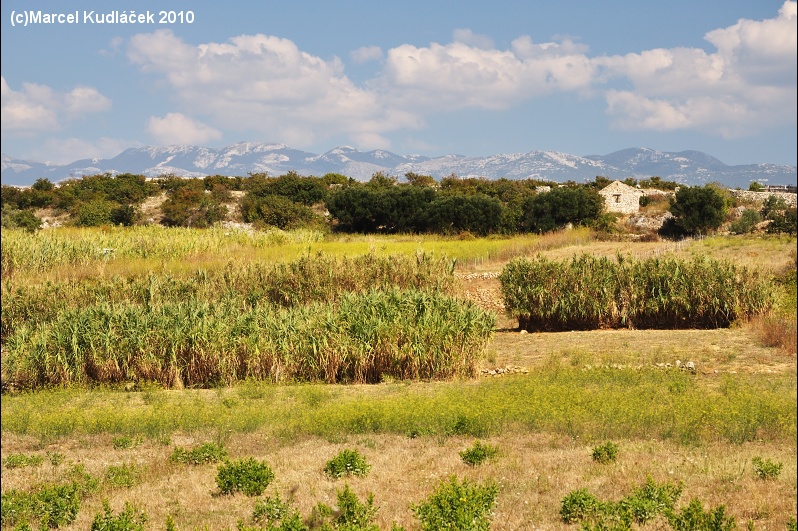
(127,520)
(698,210)
(352,514)
(206,453)
(478,453)
(21,460)
(249,476)
(458,506)
(746,223)
(347,463)
(765,468)
(551,210)
(694,518)
(122,476)
(51,506)
(579,505)
(606,453)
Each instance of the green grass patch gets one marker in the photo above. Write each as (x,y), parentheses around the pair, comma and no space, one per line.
(597,404)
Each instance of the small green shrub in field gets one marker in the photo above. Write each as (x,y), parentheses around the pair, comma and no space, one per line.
(249,476)
(457,506)
(478,453)
(55,458)
(695,518)
(127,520)
(21,460)
(277,515)
(51,506)
(642,505)
(765,468)
(209,452)
(791,524)
(352,514)
(122,476)
(579,505)
(347,463)
(605,453)
(125,442)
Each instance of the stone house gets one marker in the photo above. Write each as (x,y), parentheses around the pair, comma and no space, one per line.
(620,197)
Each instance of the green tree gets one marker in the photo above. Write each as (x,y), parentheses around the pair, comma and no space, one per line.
(698,209)
(544,212)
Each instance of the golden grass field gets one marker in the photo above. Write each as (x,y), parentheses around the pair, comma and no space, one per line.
(534,469)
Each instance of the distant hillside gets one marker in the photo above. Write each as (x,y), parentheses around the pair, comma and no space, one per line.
(689,167)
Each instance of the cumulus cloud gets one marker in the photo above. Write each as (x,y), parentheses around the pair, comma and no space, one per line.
(176,128)
(460,75)
(66,150)
(366,54)
(266,84)
(40,108)
(747,85)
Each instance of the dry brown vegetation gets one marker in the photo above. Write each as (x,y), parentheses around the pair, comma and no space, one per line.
(534,470)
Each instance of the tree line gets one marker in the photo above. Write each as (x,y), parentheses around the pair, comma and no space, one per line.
(385,204)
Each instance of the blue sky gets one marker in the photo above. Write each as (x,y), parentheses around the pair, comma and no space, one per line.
(414,77)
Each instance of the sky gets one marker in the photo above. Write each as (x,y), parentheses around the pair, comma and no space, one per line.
(412,77)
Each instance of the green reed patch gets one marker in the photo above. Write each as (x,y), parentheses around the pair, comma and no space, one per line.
(598,404)
(318,278)
(363,337)
(589,292)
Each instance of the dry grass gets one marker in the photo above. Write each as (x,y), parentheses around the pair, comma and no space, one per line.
(534,472)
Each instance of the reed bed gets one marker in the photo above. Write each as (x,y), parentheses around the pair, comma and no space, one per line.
(589,292)
(309,279)
(362,338)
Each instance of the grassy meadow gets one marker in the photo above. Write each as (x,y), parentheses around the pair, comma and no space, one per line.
(124,348)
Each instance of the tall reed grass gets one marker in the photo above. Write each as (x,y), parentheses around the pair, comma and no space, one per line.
(364,337)
(309,279)
(589,292)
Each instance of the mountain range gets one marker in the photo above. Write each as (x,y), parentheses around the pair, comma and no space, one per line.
(243,158)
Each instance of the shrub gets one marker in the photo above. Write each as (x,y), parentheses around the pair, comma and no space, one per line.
(125,442)
(698,210)
(249,476)
(457,506)
(694,518)
(765,468)
(52,505)
(746,223)
(606,453)
(579,505)
(347,463)
(127,520)
(478,453)
(21,460)
(550,210)
(205,453)
(123,476)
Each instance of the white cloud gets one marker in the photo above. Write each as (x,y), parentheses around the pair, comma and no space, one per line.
(266,84)
(748,85)
(366,54)
(176,128)
(40,108)
(458,75)
(66,150)
(466,36)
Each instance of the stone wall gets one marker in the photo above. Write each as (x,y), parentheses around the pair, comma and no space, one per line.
(760,197)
